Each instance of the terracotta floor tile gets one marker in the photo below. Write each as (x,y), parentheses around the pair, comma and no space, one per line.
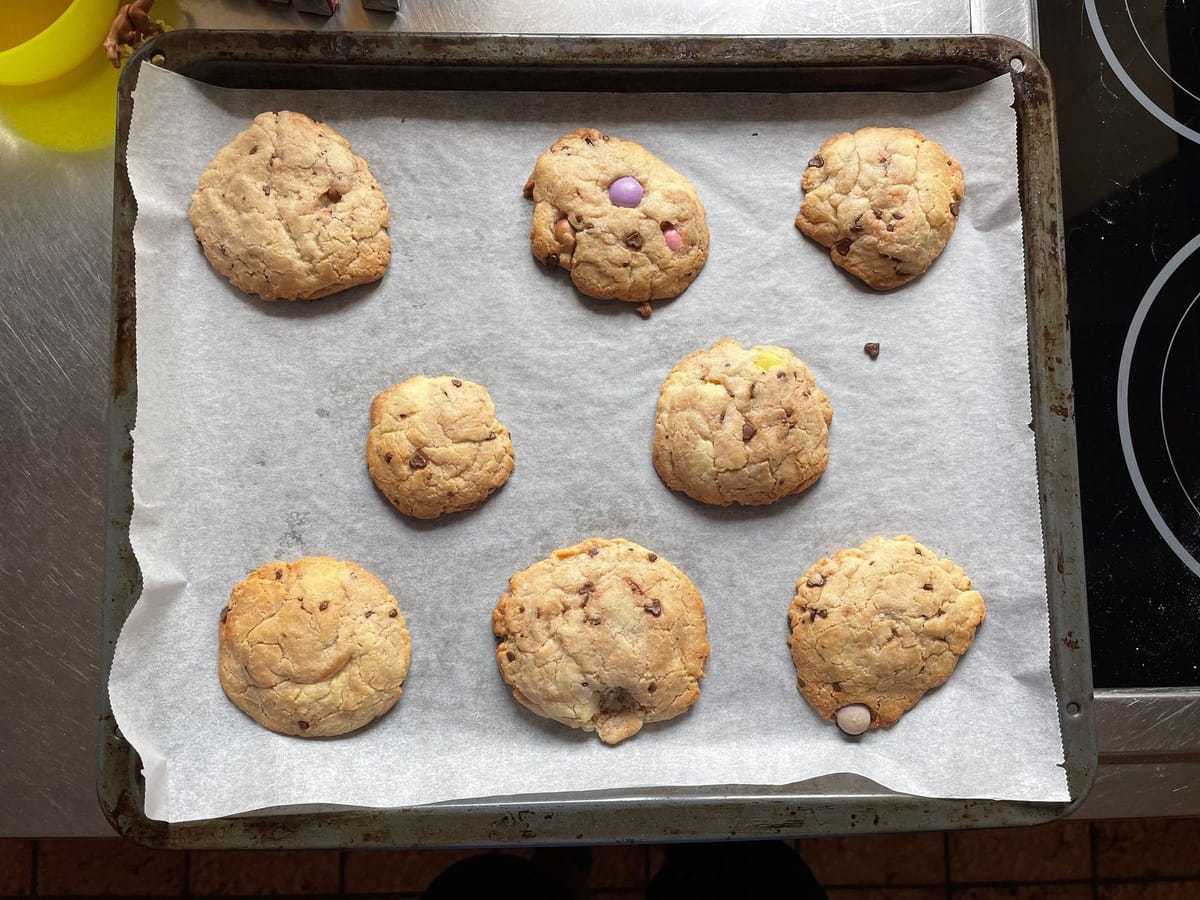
(89,867)
(1049,891)
(876,859)
(16,861)
(618,867)
(390,871)
(263,872)
(1151,890)
(1053,852)
(887,893)
(1133,848)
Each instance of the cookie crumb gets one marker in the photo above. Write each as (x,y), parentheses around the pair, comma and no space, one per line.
(871,348)
(644,310)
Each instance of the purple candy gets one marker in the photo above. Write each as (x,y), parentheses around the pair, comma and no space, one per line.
(626,191)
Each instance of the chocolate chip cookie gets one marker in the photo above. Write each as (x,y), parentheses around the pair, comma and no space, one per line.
(884,201)
(288,212)
(624,224)
(874,628)
(313,648)
(739,425)
(435,446)
(603,636)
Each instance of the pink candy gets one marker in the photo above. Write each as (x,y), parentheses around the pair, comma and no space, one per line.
(674,239)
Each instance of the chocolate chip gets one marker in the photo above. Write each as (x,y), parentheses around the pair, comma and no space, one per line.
(254,149)
(588,140)
(583,684)
(748,431)
(653,607)
(456,382)
(645,310)
(871,348)
(370,612)
(587,588)
(616,700)
(843,246)
(633,586)
(927,587)
(781,374)
(897,215)
(595,551)
(551,260)
(857,226)
(816,162)
(651,688)
(891,227)
(225,614)
(267,189)
(917,550)
(512,657)
(417,461)
(633,240)
(303,725)
(491,436)
(816,580)
(393,614)
(954,208)
(652,557)
(333,194)
(324,605)
(817,614)
(278,574)
(387,457)
(837,687)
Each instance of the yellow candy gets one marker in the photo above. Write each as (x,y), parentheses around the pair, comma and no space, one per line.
(766,361)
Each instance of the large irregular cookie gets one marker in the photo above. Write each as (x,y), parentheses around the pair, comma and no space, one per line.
(314,648)
(884,200)
(624,224)
(287,212)
(741,425)
(603,636)
(435,446)
(873,629)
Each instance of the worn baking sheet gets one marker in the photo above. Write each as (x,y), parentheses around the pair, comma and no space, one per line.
(676,323)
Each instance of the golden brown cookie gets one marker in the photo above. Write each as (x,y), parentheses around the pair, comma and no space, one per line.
(884,201)
(435,446)
(624,224)
(314,648)
(873,629)
(741,425)
(287,212)
(603,636)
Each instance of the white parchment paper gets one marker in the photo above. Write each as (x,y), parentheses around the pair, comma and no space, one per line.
(252,421)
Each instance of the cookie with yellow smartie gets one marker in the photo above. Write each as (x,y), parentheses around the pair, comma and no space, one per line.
(741,425)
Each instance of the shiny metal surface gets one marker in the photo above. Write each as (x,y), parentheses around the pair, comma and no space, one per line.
(55,244)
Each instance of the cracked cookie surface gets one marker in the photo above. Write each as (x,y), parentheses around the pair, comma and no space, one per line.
(603,636)
(738,425)
(624,224)
(288,212)
(879,626)
(315,647)
(435,446)
(884,201)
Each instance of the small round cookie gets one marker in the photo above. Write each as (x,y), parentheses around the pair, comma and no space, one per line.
(313,648)
(287,212)
(603,636)
(435,446)
(741,425)
(884,200)
(873,629)
(624,224)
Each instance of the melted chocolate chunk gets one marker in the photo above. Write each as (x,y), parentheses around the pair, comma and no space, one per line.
(417,461)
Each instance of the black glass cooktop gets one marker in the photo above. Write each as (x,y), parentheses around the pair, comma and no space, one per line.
(1127,79)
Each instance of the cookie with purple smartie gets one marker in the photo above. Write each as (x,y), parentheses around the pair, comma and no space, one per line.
(874,628)
(624,224)
(884,201)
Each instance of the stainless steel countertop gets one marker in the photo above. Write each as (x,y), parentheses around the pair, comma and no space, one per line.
(55,244)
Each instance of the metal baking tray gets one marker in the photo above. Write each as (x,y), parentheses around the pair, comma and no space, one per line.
(828,805)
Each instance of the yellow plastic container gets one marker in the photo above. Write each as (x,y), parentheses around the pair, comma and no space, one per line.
(64,44)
